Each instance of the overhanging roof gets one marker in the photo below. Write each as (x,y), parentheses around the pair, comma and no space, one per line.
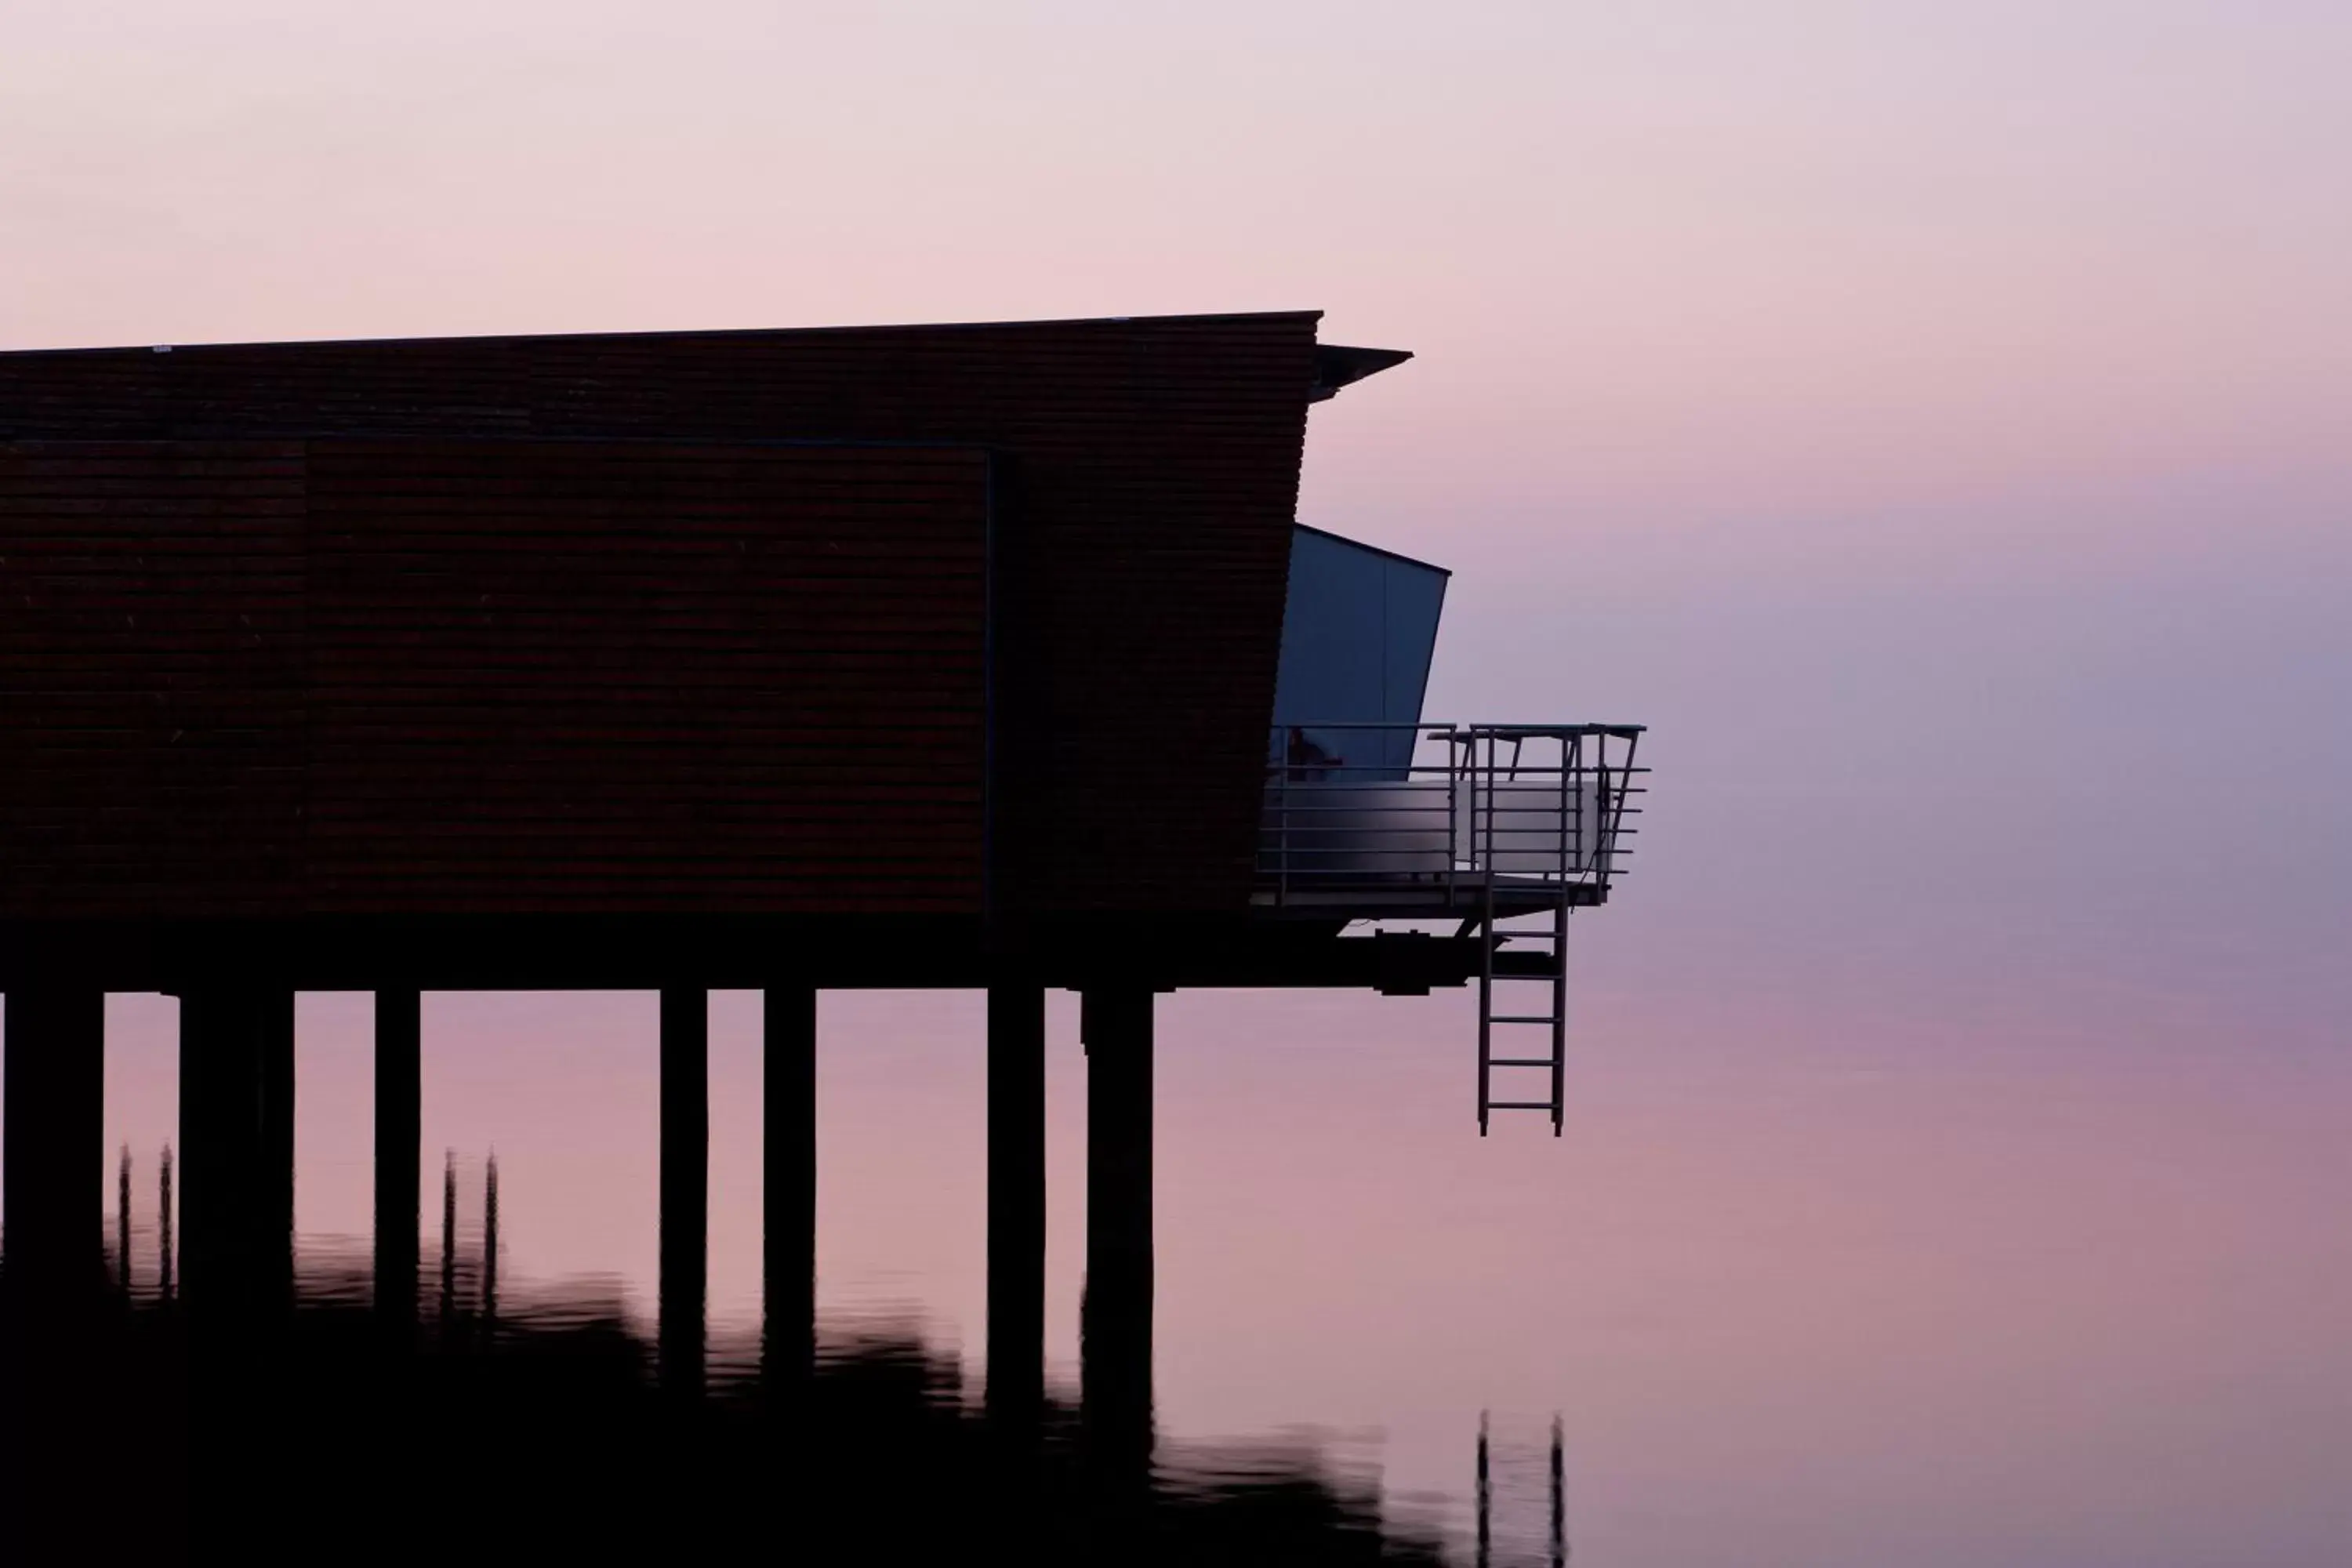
(1337,365)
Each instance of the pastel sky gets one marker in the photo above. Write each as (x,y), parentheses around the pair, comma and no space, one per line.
(1720,304)
(1935,419)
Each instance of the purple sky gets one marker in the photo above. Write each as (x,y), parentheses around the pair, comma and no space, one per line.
(1932,418)
(1928,397)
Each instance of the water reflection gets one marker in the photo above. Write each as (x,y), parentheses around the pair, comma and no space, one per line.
(528,1420)
(1807,1286)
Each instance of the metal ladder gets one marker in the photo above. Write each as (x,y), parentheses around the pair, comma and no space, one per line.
(1515,974)
(1582,842)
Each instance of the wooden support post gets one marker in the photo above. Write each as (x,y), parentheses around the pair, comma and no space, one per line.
(1016,1200)
(236,1148)
(50,1432)
(235,1179)
(684,1184)
(399,1132)
(788,1178)
(1115,1351)
(56,1089)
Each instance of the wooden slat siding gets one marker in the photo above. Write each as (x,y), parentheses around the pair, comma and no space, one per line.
(581,676)
(1147,482)
(152,722)
(275,679)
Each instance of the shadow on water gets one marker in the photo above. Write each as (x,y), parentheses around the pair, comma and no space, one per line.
(537,1426)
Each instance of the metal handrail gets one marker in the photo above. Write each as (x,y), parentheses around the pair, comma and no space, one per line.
(1472,805)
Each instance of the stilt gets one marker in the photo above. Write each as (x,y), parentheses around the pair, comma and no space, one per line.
(1016,1200)
(54,1265)
(236,1148)
(399,1100)
(1116,1318)
(55,1230)
(788,1162)
(684,1184)
(235,1178)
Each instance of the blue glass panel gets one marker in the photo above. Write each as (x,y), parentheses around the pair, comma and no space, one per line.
(1356,636)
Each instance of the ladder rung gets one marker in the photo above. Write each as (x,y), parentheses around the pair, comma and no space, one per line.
(1520,1105)
(1521,1062)
(1522,1018)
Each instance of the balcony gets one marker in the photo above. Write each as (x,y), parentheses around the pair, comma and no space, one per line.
(1476,822)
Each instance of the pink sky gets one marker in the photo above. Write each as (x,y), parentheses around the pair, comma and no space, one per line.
(1930,417)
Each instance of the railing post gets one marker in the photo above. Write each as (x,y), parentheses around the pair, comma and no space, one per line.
(1571,785)
(1452,821)
(1282,826)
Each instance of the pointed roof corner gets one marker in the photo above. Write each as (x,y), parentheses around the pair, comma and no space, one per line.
(1337,365)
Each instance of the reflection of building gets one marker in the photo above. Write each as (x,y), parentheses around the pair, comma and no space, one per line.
(122,1262)
(469,1286)
(1555,1499)
(966,656)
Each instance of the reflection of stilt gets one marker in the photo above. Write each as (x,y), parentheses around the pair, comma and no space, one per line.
(122,1224)
(1485,1494)
(1556,1534)
(788,1181)
(1115,1330)
(1559,1499)
(449,1242)
(490,1247)
(684,1184)
(164,1284)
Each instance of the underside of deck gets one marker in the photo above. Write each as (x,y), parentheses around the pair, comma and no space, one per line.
(729,953)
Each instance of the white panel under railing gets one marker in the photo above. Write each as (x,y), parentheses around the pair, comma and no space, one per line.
(1523,804)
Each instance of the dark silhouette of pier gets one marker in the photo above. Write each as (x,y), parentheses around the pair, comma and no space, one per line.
(234,1170)
(234,1165)
(983,657)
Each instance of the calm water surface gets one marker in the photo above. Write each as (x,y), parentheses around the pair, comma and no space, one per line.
(1909,1219)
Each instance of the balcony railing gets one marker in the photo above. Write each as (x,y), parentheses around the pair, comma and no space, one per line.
(1433,819)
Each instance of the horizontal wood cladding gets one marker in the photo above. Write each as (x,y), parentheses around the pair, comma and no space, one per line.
(151,712)
(545,675)
(1145,483)
(419,676)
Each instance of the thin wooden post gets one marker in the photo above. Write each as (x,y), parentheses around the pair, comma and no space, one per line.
(399,1135)
(56,1089)
(684,1184)
(1016,1200)
(1116,1317)
(788,1178)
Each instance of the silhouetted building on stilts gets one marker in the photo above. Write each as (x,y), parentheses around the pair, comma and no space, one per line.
(968,656)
